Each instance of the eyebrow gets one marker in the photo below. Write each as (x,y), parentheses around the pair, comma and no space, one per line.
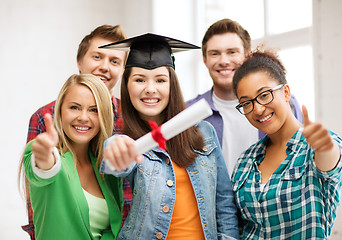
(219,50)
(95,51)
(258,91)
(81,105)
(137,75)
(142,75)
(162,75)
(75,103)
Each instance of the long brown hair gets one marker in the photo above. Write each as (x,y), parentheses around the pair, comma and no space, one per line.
(181,147)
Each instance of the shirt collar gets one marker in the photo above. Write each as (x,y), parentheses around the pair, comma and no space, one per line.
(261,149)
(292,144)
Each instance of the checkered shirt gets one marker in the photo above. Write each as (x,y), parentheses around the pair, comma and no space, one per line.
(37,126)
(298,201)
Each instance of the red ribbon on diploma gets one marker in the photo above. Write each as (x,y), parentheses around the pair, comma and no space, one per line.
(157,135)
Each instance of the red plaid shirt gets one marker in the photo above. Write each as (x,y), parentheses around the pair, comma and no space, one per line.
(37,126)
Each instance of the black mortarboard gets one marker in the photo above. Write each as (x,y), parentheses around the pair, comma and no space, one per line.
(150,51)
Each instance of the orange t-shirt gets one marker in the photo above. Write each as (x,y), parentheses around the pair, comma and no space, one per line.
(185,221)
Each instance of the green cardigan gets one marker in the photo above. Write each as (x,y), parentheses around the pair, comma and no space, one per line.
(60,209)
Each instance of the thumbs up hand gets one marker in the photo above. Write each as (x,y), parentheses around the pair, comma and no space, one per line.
(316,134)
(327,152)
(42,147)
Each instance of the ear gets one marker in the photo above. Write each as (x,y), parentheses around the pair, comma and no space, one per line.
(248,53)
(205,61)
(79,65)
(287,92)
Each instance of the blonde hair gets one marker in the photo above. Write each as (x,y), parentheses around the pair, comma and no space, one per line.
(105,115)
(104,108)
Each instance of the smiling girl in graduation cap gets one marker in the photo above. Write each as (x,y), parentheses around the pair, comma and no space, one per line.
(184,191)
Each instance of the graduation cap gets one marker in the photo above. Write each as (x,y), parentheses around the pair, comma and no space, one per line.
(150,51)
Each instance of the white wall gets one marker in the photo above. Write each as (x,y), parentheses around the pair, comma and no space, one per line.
(38,44)
(328,75)
(328,62)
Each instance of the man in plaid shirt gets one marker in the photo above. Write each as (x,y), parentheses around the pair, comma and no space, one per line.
(108,65)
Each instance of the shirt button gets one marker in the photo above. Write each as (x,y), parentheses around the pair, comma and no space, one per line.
(159,235)
(167,161)
(169,183)
(165,209)
(204,149)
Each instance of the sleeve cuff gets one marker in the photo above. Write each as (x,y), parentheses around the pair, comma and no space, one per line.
(107,168)
(46,174)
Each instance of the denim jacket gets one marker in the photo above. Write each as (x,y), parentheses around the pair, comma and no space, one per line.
(211,185)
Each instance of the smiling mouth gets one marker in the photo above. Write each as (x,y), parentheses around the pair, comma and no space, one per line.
(226,71)
(150,100)
(265,118)
(81,128)
(103,79)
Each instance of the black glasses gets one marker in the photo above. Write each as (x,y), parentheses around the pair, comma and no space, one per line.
(263,98)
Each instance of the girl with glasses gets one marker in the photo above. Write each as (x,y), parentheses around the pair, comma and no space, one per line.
(287,184)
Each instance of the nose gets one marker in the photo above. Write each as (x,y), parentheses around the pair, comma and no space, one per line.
(224,59)
(104,65)
(83,115)
(258,108)
(150,87)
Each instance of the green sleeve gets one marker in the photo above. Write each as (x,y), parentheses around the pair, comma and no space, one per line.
(30,175)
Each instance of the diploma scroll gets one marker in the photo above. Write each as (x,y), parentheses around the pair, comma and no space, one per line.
(179,123)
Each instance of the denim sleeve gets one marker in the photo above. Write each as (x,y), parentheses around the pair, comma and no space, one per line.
(226,212)
(104,168)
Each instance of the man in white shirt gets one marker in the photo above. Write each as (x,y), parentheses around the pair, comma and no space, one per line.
(225,46)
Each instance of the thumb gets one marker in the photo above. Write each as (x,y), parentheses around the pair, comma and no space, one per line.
(50,128)
(306,119)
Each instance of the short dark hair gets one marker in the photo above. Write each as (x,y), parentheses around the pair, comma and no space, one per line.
(226,26)
(261,61)
(112,33)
